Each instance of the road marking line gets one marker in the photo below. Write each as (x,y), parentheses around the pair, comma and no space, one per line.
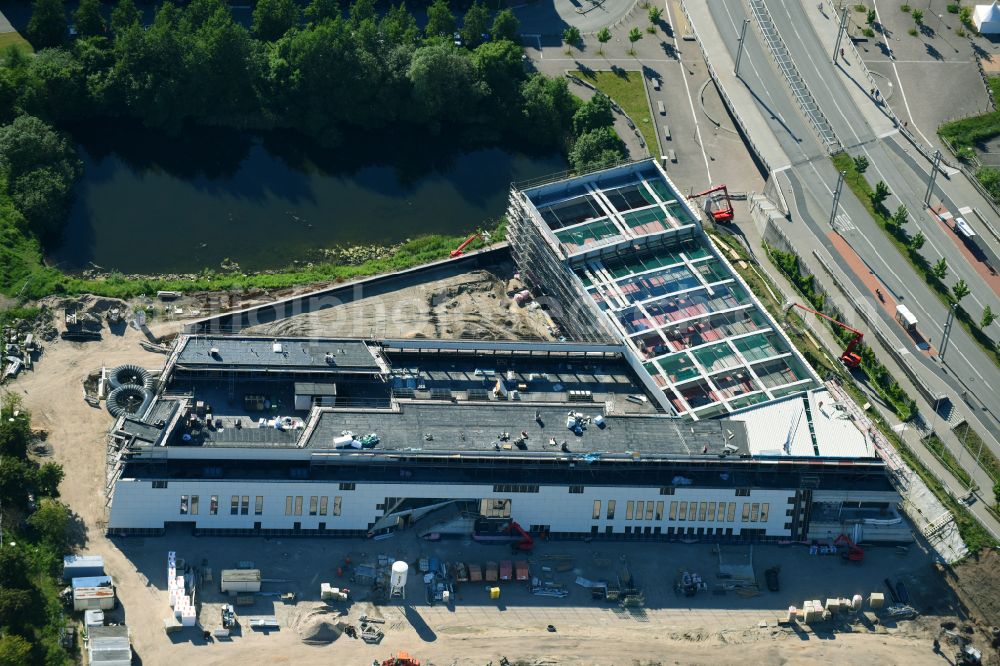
(687,87)
(899,80)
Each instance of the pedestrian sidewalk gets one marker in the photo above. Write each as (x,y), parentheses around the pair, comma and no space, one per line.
(911,434)
(857,79)
(740,102)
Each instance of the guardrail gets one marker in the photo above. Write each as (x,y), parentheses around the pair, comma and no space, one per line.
(779,52)
(722,92)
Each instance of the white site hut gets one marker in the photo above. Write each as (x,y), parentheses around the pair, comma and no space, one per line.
(987,19)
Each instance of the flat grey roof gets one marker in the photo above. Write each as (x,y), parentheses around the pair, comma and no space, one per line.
(435,427)
(315,388)
(295,353)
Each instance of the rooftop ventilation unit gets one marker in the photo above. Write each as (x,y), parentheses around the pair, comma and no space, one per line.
(276,347)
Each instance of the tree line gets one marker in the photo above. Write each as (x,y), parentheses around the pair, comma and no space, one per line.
(36,529)
(322,71)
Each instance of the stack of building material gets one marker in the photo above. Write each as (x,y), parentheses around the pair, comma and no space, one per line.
(812,611)
(180,601)
(876,600)
(833,605)
(330,593)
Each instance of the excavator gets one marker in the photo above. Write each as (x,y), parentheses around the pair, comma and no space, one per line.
(850,357)
(720,207)
(852,551)
(398,659)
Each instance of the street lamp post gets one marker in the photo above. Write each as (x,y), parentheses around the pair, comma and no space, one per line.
(949,322)
(836,197)
(840,34)
(930,181)
(739,51)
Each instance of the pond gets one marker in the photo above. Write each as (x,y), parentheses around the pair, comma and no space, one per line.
(149,203)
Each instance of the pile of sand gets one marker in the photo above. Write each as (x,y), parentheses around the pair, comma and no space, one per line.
(320,628)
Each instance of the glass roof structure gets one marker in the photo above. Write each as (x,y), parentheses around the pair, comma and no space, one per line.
(677,304)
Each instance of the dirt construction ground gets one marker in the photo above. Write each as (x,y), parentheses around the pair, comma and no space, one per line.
(669,629)
(473,304)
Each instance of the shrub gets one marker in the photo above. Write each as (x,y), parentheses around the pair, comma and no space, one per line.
(912,32)
(868,32)
(905,8)
(953,8)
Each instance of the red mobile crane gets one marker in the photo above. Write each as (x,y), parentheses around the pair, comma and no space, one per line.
(526,543)
(460,250)
(850,358)
(721,214)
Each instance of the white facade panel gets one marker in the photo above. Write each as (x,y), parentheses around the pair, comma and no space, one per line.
(137,505)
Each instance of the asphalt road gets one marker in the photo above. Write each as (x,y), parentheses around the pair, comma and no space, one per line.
(813,180)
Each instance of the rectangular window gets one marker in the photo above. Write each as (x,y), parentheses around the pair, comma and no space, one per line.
(746,512)
(347,486)
(336,506)
(667,490)
(194,505)
(731,515)
(702,510)
(659,511)
(649,510)
(640,506)
(683,515)
(629,510)
(515,488)
(754,512)
(324,502)
(597,509)
(764,508)
(722,511)
(258,505)
(673,511)
(313,505)
(611,509)
(711,511)
(234,505)
(244,505)
(576,490)
(159,484)
(288,505)
(298,505)
(743,492)
(184,505)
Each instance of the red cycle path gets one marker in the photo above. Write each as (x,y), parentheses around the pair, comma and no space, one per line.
(887,302)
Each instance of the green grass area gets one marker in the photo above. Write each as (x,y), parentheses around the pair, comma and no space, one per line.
(974,444)
(863,191)
(411,253)
(14,39)
(965,133)
(945,457)
(627,89)
(973,533)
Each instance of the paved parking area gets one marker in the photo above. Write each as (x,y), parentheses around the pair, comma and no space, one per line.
(934,75)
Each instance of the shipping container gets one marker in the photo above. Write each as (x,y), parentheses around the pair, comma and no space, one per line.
(240,580)
(90,598)
(79,566)
(92,581)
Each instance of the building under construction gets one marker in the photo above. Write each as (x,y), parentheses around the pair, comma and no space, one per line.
(623,257)
(676,410)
